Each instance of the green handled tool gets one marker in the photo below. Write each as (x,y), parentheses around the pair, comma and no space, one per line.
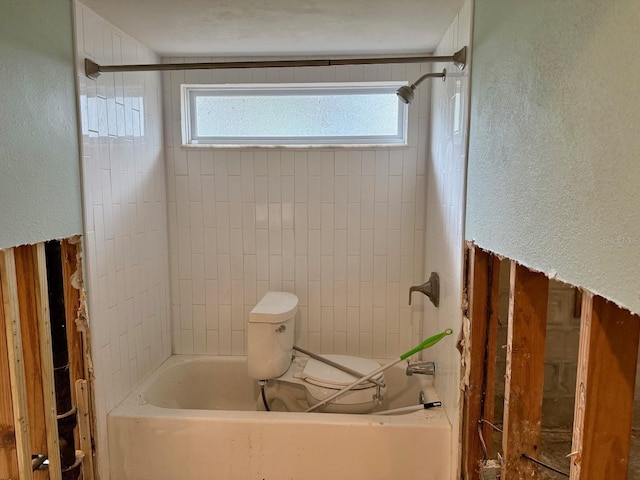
(429,342)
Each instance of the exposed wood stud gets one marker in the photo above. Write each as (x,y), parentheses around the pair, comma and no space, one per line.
(70,273)
(88,372)
(524,379)
(72,304)
(24,257)
(46,355)
(84,428)
(78,339)
(605,388)
(8,459)
(10,305)
(580,399)
(28,410)
(483,284)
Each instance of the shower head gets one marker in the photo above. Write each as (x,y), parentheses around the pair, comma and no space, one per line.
(406,92)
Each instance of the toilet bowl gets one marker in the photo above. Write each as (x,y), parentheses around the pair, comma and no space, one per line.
(320,380)
(296,382)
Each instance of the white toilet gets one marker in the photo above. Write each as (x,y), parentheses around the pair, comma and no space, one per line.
(298,382)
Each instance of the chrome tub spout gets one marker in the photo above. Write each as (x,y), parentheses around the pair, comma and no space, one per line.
(421,368)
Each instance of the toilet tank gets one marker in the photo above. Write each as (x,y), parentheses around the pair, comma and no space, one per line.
(270,334)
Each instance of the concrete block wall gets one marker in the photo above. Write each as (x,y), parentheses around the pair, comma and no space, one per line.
(563,335)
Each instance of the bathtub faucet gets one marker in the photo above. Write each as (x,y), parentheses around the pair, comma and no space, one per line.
(421,368)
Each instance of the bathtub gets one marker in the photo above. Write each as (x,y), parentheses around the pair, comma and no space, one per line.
(195,417)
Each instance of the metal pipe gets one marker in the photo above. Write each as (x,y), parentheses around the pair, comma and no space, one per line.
(409,409)
(93,70)
(333,364)
(405,93)
(542,464)
(38,462)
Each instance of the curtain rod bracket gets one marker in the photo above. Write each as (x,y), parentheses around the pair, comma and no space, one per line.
(460,58)
(93,70)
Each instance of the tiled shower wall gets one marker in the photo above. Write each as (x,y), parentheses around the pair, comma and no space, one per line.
(445,215)
(343,229)
(124,191)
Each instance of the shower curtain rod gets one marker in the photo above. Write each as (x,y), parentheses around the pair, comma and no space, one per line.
(93,70)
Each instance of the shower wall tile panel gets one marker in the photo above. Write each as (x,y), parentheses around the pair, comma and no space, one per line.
(343,228)
(124,194)
(445,215)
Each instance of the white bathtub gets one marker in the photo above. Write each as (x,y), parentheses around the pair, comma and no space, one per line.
(195,418)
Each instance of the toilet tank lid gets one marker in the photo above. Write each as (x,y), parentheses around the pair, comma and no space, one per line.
(275,307)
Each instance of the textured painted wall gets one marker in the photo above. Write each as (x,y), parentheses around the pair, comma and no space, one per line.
(39,168)
(124,192)
(554,152)
(445,216)
(343,229)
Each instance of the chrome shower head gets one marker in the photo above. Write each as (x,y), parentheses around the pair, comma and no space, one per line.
(406,92)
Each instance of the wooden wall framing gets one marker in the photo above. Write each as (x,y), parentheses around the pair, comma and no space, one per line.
(524,380)
(17,374)
(28,310)
(609,339)
(605,389)
(8,444)
(483,292)
(28,419)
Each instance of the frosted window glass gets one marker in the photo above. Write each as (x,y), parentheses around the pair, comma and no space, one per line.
(327,115)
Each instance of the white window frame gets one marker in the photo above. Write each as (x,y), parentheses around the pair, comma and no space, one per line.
(190,91)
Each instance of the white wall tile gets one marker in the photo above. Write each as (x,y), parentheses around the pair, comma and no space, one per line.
(368,162)
(341,196)
(335,226)
(213,342)
(366,255)
(224,330)
(367,201)
(126,241)
(443,218)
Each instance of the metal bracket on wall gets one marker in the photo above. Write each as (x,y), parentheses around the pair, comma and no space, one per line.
(430,288)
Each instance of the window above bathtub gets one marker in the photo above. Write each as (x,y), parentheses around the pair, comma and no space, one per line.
(295,115)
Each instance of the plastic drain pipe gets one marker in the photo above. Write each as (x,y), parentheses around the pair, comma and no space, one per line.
(429,342)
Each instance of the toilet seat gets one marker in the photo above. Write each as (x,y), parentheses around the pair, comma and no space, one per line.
(322,375)
(320,380)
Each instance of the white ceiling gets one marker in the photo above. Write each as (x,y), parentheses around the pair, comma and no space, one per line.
(281,27)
